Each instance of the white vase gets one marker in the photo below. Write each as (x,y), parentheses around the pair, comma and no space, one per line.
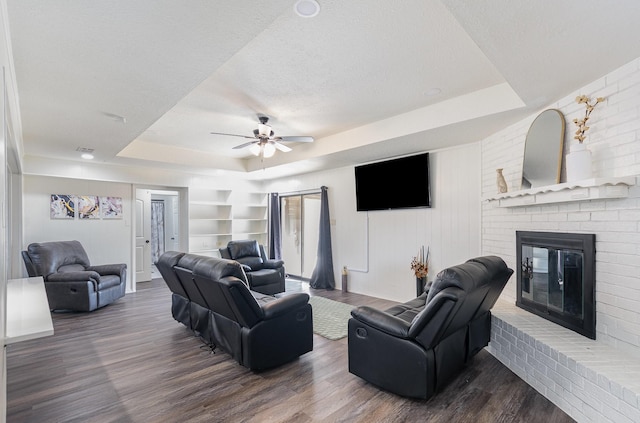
(501,182)
(578,163)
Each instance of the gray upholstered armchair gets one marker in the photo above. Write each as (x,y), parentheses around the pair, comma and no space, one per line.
(263,275)
(70,280)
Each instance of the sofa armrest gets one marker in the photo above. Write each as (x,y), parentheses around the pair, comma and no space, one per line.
(83,275)
(109,269)
(284,304)
(382,321)
(272,264)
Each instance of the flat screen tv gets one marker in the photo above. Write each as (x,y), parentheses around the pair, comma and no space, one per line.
(393,184)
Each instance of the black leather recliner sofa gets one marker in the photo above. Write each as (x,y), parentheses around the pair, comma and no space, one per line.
(263,275)
(70,281)
(210,296)
(414,349)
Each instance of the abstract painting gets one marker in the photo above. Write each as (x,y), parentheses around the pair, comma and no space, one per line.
(62,206)
(88,207)
(111,207)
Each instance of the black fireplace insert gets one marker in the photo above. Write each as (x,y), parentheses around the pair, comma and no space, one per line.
(557,278)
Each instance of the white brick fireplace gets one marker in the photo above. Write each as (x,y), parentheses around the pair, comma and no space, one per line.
(590,380)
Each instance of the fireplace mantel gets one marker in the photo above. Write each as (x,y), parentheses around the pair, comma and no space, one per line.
(588,189)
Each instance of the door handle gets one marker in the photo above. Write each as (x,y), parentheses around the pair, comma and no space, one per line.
(147,241)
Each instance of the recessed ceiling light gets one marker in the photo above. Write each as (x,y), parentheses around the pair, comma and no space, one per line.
(87,156)
(115,117)
(307,8)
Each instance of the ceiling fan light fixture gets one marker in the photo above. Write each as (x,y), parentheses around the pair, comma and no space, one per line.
(268,150)
(307,8)
(264,130)
(255,149)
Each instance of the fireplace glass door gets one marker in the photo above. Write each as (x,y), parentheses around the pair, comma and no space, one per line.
(553,278)
(557,278)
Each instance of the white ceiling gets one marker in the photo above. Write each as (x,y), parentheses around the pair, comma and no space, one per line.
(145,82)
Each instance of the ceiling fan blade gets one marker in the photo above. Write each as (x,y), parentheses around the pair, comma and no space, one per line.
(246,144)
(232,135)
(296,139)
(281,147)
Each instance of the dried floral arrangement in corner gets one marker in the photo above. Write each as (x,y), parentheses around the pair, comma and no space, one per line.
(582,123)
(420,264)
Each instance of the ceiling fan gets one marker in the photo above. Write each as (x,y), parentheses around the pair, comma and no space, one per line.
(263,141)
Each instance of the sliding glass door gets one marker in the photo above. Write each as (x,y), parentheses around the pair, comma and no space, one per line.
(300,220)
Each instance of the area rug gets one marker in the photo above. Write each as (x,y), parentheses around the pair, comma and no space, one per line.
(330,317)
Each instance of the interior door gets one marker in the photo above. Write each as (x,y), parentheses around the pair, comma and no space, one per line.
(143,235)
(173,230)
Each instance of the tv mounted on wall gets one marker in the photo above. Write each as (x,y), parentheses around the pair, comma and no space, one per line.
(393,184)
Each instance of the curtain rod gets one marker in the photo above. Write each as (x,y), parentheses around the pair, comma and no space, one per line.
(307,191)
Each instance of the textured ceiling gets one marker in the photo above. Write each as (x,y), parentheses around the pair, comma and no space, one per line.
(145,82)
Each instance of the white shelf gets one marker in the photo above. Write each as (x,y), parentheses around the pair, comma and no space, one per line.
(588,189)
(208,253)
(210,205)
(206,195)
(218,216)
(28,314)
(253,198)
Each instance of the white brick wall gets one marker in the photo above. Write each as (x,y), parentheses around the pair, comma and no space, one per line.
(589,380)
(614,140)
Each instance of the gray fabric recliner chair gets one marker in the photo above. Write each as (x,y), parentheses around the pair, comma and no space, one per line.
(70,281)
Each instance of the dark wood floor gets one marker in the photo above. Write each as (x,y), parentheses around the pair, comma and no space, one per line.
(131,362)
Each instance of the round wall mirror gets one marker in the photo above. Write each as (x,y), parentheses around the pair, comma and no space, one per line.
(543,150)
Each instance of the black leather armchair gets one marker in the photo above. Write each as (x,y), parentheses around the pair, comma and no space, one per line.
(70,281)
(263,275)
(414,349)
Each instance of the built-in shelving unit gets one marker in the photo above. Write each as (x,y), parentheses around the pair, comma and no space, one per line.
(216,216)
(250,216)
(210,220)
(588,189)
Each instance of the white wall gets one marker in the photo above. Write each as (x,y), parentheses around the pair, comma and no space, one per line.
(45,177)
(377,247)
(10,162)
(614,139)
(106,241)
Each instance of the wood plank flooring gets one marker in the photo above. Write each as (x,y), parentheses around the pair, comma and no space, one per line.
(131,362)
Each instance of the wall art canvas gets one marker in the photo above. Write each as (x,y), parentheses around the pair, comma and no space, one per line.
(88,207)
(111,207)
(62,206)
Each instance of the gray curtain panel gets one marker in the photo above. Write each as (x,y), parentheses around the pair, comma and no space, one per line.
(322,276)
(275,231)
(157,230)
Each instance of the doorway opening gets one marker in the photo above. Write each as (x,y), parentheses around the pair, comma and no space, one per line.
(299,220)
(159,227)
